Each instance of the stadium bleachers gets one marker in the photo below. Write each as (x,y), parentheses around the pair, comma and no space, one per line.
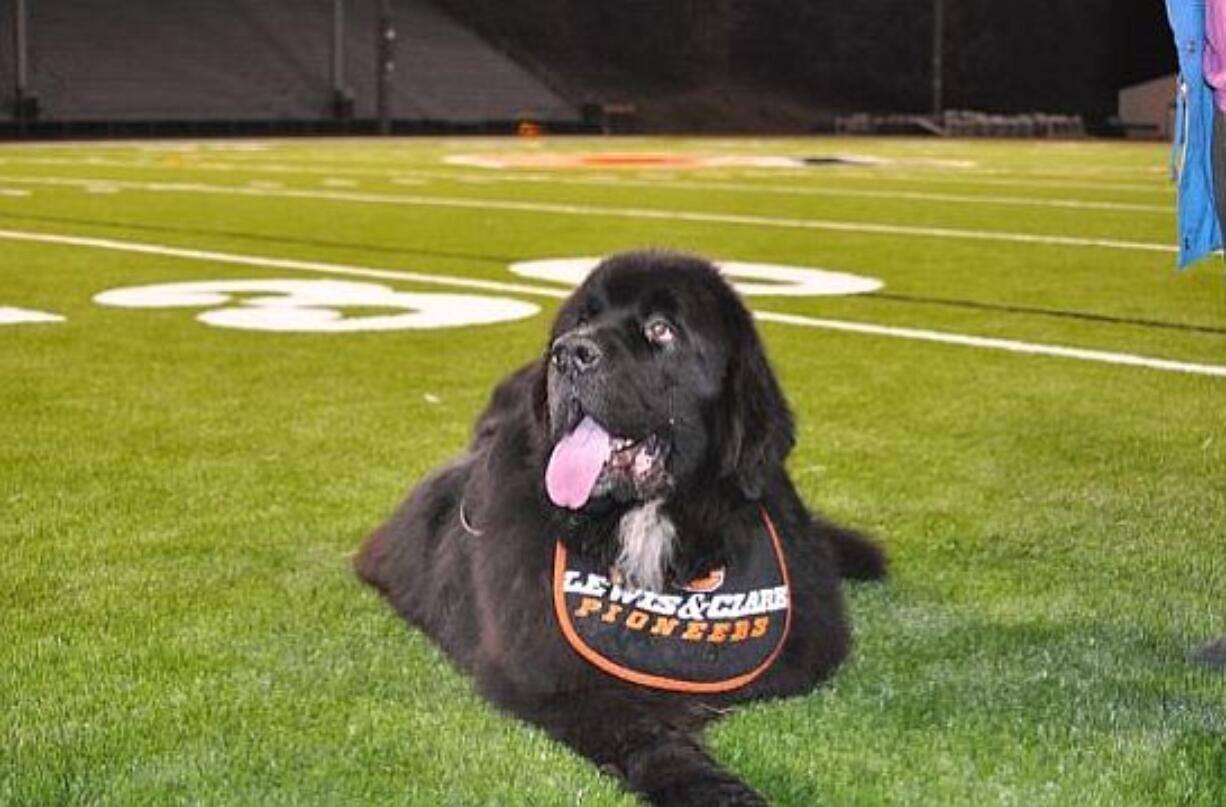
(259,60)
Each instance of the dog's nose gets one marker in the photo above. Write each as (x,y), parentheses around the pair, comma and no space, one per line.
(575,353)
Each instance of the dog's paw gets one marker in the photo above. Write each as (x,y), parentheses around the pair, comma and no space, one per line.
(714,792)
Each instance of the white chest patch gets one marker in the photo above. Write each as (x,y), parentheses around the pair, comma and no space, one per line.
(647,540)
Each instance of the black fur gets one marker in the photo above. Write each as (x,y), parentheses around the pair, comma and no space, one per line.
(486,598)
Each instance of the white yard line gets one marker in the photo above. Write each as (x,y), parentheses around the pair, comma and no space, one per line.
(597,211)
(518,177)
(557,178)
(838,193)
(907,173)
(320,267)
(877,176)
(277,263)
(983,179)
(991,343)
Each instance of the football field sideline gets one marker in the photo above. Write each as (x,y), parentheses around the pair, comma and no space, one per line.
(598,211)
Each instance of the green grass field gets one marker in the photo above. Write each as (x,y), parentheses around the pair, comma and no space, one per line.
(179,502)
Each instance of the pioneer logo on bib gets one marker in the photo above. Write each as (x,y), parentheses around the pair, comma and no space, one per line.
(711,634)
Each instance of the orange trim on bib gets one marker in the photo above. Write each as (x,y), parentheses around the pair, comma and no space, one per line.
(656,681)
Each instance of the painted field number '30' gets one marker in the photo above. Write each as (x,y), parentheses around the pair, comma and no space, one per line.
(339,306)
(319,306)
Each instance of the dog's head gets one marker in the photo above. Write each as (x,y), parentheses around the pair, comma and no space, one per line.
(657,383)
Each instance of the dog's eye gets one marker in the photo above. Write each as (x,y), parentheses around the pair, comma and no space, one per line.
(660,332)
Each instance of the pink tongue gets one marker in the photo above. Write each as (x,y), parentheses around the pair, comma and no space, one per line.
(575,464)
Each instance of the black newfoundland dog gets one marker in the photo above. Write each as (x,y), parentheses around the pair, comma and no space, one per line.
(620,556)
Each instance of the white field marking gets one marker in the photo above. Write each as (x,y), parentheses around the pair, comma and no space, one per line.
(237,145)
(635,213)
(964,167)
(1010,345)
(907,173)
(315,306)
(1074,171)
(772,279)
(799,190)
(19,316)
(14,192)
(980,179)
(331,168)
(657,182)
(636,160)
(279,263)
(988,343)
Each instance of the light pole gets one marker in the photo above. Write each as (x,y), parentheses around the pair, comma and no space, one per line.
(385,65)
(342,100)
(21,106)
(938,56)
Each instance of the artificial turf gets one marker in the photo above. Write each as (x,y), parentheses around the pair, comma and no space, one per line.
(178,502)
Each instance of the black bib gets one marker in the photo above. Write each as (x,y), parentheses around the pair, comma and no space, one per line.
(714,634)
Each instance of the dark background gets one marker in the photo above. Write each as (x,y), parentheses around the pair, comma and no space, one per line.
(226,66)
(1068,56)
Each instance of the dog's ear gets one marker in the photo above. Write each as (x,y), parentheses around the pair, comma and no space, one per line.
(539,402)
(757,432)
(524,388)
